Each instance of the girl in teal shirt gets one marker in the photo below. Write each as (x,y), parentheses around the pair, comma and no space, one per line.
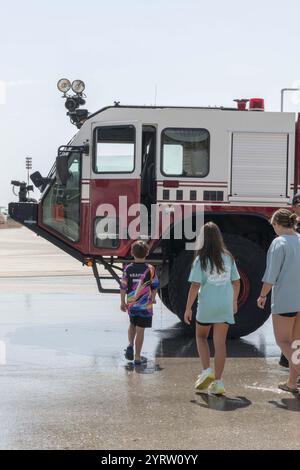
(215,280)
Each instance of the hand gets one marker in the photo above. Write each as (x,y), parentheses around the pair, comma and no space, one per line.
(153,301)
(235,307)
(261,302)
(124,306)
(188,316)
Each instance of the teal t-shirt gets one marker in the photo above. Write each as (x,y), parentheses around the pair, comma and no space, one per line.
(215,299)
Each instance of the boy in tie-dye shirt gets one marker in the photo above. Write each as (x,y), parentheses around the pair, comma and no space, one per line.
(139,286)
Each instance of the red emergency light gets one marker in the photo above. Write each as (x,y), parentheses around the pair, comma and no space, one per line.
(257,104)
(241,104)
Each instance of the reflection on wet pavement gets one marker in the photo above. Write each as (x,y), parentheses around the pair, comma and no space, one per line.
(67,385)
(149,368)
(179,341)
(85,327)
(221,403)
(288,404)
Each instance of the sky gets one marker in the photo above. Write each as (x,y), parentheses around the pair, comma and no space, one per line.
(196,52)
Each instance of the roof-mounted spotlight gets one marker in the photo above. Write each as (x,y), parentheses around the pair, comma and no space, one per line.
(78,86)
(74,100)
(64,85)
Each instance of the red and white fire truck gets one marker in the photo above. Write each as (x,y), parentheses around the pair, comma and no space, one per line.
(240,164)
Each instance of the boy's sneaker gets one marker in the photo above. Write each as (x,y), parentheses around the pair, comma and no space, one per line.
(216,388)
(204,379)
(129,353)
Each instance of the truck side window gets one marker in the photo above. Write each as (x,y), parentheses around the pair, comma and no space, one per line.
(185,152)
(114,149)
(61,204)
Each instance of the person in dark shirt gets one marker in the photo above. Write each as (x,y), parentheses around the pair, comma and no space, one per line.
(139,286)
(296,209)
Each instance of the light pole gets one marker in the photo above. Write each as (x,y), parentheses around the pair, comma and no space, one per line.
(28,164)
(282,95)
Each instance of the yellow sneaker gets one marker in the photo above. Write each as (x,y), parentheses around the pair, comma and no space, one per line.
(216,388)
(204,379)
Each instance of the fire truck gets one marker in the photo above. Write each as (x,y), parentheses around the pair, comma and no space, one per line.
(237,164)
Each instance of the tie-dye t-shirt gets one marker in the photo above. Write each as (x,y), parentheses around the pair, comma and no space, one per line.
(138,281)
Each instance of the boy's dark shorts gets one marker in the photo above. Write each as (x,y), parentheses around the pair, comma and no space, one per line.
(142,322)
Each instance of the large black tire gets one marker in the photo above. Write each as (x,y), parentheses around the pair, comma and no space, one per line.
(251,260)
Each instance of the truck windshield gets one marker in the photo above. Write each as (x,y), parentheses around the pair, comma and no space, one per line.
(61,204)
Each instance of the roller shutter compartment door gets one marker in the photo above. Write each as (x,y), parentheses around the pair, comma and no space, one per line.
(259,164)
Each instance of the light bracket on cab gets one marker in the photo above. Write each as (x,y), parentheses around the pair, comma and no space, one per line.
(74,100)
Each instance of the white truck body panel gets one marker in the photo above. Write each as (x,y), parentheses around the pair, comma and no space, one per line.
(251,153)
(259,165)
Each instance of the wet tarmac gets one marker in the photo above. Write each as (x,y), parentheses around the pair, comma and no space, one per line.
(66,384)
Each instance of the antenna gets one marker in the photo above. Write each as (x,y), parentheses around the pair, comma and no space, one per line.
(155,94)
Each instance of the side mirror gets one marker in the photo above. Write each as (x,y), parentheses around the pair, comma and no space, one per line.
(62,168)
(39,181)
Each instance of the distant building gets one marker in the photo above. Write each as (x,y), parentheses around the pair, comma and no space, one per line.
(3,214)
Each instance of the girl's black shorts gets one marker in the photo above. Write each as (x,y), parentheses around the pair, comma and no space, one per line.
(288,315)
(209,324)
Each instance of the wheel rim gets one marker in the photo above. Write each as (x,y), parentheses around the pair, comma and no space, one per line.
(245,288)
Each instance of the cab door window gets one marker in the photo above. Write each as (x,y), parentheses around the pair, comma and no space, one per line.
(114,149)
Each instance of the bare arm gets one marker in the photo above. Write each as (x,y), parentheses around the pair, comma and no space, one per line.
(153,295)
(236,290)
(266,288)
(275,259)
(193,292)
(123,300)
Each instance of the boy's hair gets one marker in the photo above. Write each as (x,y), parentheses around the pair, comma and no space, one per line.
(140,249)
(213,248)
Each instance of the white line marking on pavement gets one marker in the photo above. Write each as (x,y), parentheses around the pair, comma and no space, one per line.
(266,389)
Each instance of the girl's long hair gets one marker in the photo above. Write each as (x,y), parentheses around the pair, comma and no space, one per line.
(210,254)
